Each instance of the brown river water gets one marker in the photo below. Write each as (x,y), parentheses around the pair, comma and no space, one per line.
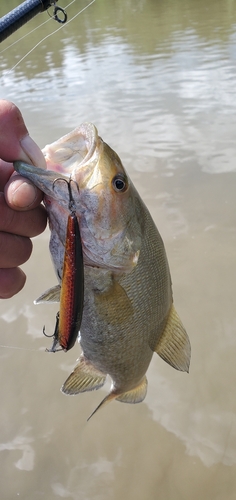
(158,79)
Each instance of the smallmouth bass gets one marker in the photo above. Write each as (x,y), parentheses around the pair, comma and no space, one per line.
(128,309)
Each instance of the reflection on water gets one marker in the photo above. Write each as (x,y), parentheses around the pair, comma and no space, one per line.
(158,80)
(26,462)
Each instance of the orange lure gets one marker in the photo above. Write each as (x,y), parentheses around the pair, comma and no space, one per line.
(69,318)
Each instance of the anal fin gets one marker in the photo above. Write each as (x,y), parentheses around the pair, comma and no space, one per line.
(85,377)
(135,395)
(174,345)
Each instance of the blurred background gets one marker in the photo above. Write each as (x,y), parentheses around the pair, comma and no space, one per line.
(157,78)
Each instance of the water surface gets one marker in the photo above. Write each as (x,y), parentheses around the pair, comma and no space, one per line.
(158,80)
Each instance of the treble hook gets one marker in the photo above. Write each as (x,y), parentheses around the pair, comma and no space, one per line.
(55,335)
(71,204)
(55,330)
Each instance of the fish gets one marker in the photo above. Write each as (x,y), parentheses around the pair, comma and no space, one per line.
(128,310)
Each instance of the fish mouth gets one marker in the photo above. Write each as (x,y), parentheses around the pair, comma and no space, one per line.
(73,150)
(64,158)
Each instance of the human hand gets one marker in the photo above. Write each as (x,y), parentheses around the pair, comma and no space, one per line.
(21,214)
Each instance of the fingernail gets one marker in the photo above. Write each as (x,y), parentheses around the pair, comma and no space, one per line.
(22,194)
(33,152)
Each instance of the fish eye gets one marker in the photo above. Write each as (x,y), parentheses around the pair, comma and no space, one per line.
(120,183)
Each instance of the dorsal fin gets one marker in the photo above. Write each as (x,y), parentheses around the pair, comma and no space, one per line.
(174,346)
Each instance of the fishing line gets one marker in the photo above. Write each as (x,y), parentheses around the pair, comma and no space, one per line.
(20,348)
(27,34)
(47,36)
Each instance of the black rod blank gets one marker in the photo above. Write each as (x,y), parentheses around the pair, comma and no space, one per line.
(12,21)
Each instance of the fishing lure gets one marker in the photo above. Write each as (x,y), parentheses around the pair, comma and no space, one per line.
(68,320)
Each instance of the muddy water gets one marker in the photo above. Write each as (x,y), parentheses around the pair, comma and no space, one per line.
(158,80)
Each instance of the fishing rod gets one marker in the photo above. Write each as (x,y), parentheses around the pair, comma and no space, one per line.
(12,21)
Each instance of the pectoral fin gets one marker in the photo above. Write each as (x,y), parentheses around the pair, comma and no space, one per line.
(51,295)
(114,299)
(85,377)
(135,395)
(174,346)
